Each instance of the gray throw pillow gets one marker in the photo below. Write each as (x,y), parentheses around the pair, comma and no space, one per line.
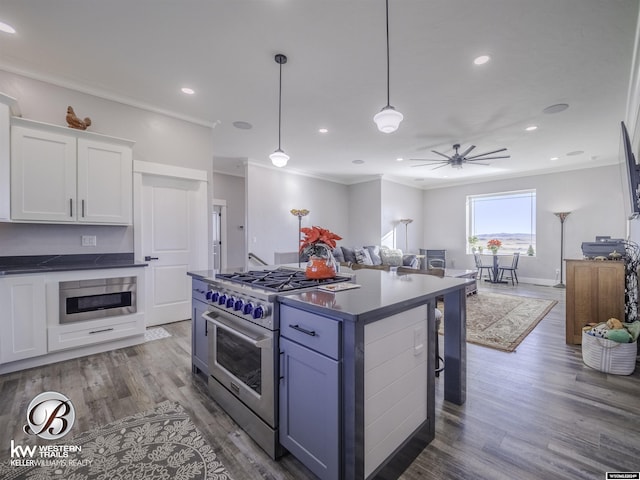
(374,253)
(409,260)
(391,257)
(349,254)
(337,254)
(362,256)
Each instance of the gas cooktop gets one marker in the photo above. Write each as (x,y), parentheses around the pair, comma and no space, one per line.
(278,280)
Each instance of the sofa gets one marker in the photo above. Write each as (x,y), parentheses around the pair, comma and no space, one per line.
(375,257)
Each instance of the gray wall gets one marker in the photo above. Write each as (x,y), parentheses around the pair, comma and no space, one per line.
(400,201)
(231,188)
(159,138)
(272,193)
(364,213)
(594,196)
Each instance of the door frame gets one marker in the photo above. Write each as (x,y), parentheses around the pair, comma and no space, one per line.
(218,202)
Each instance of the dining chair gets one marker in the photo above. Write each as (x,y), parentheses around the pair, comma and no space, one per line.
(481,267)
(512,269)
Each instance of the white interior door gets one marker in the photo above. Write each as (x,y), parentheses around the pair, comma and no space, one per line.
(171,236)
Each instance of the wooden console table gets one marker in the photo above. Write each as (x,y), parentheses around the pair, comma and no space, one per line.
(595,293)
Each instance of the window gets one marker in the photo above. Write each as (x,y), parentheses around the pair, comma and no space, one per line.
(508,216)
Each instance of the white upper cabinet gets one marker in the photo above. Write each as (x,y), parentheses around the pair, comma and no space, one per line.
(61,175)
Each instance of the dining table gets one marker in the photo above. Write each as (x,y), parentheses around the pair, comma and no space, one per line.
(495,267)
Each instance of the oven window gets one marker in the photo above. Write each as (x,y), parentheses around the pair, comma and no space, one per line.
(98,302)
(240,358)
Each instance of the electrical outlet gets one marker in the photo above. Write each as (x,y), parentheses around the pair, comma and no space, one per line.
(89,241)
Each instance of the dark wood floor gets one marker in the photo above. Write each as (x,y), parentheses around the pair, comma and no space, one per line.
(538,413)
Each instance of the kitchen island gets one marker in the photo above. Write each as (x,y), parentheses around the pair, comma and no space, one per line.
(357,371)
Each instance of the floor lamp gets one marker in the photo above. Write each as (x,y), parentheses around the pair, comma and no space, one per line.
(562,216)
(406,222)
(299,213)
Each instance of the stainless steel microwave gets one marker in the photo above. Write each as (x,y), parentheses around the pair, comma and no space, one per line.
(82,300)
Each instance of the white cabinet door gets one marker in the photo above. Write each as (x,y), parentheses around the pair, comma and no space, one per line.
(23,321)
(105,179)
(43,176)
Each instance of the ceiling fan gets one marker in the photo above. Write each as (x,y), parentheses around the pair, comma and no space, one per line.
(457,159)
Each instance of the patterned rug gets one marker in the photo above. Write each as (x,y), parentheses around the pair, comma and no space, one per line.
(160,444)
(502,321)
(155,333)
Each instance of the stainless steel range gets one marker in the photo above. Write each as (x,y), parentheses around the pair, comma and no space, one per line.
(243,345)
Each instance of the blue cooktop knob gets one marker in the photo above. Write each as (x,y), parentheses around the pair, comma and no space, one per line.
(222,299)
(248,308)
(258,312)
(230,302)
(214,296)
(238,305)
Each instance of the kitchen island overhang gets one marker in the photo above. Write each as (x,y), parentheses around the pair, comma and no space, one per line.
(385,301)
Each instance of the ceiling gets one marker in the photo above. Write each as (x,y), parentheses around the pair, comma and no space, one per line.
(543,52)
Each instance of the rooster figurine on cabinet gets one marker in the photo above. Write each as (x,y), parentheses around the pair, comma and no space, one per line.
(75,122)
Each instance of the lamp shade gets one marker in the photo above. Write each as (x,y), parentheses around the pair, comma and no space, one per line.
(279,158)
(388,119)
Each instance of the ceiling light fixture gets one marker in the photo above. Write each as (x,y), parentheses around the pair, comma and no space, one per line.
(187,90)
(553,159)
(6,28)
(399,159)
(482,59)
(388,119)
(531,128)
(242,125)
(557,108)
(323,130)
(279,158)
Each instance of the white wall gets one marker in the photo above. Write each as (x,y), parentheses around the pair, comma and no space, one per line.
(594,197)
(364,213)
(231,188)
(400,201)
(271,194)
(159,138)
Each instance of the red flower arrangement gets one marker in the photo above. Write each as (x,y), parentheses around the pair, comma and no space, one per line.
(318,241)
(494,244)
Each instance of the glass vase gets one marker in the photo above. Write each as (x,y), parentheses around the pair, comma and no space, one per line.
(321,267)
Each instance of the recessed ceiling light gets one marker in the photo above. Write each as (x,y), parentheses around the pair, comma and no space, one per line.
(557,108)
(187,90)
(323,130)
(482,59)
(242,125)
(575,152)
(358,162)
(531,128)
(553,159)
(6,28)
(399,159)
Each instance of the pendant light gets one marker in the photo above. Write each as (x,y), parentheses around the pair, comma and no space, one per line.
(388,119)
(279,158)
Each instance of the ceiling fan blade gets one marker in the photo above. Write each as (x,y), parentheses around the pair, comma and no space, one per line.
(440,166)
(466,152)
(487,153)
(434,162)
(442,155)
(427,160)
(476,162)
(486,158)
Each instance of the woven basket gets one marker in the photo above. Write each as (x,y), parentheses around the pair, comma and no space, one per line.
(609,356)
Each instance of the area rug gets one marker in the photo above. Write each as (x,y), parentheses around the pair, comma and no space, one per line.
(155,333)
(160,444)
(502,321)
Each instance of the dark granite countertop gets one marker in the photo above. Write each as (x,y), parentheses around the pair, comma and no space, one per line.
(60,263)
(380,295)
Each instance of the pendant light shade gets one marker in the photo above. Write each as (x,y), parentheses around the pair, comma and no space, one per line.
(388,119)
(279,158)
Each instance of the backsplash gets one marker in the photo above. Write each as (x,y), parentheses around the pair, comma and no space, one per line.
(44,239)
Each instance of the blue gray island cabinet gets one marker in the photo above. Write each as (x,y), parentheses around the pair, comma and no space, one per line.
(357,372)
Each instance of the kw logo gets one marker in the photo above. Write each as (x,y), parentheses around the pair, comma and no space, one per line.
(18,451)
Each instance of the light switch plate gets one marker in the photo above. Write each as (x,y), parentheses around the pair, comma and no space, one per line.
(89,241)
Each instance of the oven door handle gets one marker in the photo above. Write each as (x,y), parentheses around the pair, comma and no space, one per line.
(214,318)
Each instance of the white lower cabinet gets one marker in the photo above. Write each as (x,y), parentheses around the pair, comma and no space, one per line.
(23,320)
(88,333)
